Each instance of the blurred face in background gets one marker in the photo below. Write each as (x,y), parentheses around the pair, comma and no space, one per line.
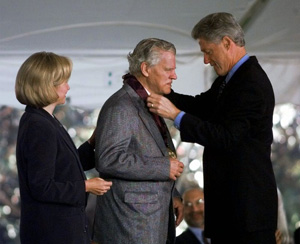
(193,201)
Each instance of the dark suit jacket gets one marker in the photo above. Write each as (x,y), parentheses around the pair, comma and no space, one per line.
(297,236)
(51,180)
(187,237)
(131,152)
(236,132)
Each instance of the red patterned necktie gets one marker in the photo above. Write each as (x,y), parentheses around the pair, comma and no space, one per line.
(140,90)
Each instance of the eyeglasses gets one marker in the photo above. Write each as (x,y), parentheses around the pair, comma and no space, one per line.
(196,203)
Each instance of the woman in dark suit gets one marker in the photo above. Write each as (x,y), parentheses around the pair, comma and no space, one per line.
(53,185)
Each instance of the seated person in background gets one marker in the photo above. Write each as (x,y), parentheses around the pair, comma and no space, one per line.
(193,200)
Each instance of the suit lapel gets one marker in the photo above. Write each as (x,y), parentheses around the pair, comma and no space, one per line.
(147,118)
(149,123)
(67,139)
(62,132)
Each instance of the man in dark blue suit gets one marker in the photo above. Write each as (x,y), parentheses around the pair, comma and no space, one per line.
(297,235)
(233,121)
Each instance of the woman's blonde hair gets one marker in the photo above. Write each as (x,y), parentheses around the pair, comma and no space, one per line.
(39,76)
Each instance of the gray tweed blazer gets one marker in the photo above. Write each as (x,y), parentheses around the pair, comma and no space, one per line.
(130,152)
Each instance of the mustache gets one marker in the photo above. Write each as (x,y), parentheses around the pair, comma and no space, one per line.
(197,213)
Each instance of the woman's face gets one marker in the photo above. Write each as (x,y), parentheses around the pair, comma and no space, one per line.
(62,91)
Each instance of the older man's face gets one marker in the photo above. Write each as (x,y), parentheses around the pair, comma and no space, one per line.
(161,75)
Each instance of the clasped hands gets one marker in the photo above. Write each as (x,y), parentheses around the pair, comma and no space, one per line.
(176,168)
(97,186)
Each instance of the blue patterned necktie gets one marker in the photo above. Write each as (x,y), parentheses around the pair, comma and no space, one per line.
(204,239)
(221,88)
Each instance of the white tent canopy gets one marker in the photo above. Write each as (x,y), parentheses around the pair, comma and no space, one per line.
(98,34)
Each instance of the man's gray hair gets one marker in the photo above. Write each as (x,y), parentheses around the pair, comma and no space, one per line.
(215,26)
(149,51)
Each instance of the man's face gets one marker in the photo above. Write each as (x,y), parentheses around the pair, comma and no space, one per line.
(161,75)
(216,55)
(194,208)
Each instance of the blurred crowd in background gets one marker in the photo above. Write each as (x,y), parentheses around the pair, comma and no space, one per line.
(80,125)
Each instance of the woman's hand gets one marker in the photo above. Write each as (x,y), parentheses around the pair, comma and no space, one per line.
(97,186)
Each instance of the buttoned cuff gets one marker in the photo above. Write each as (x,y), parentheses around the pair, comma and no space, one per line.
(177,120)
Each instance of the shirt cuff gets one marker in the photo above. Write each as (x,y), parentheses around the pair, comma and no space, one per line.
(177,120)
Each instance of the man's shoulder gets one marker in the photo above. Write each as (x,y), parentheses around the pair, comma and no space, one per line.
(122,102)
(186,237)
(124,93)
(119,97)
